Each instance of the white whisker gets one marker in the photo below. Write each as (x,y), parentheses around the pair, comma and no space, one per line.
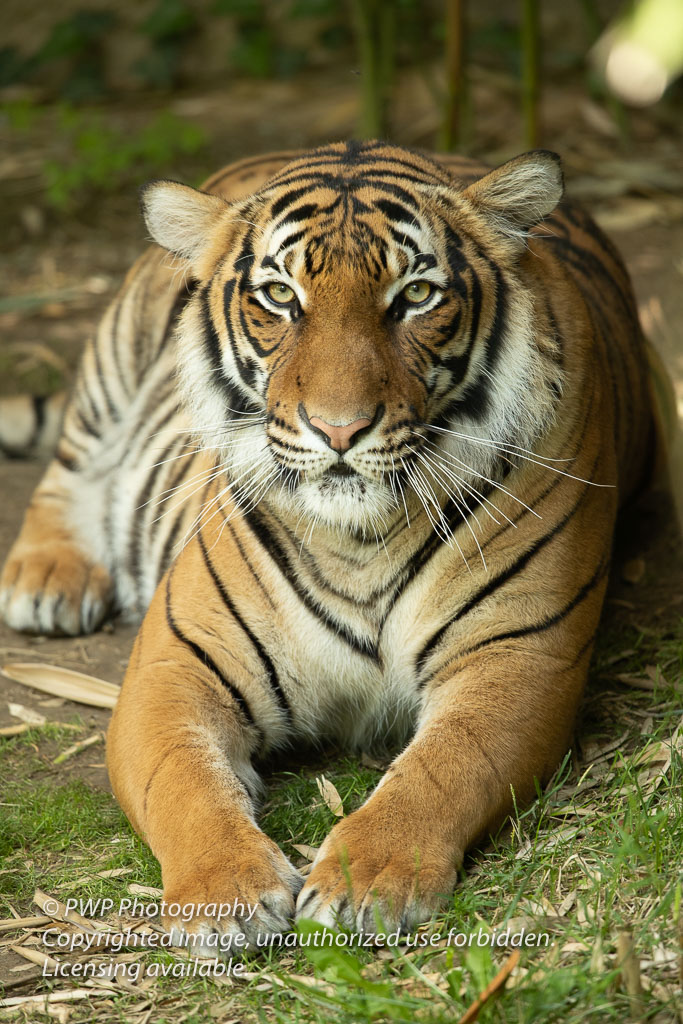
(505,447)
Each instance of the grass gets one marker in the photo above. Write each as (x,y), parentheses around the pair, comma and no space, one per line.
(593,864)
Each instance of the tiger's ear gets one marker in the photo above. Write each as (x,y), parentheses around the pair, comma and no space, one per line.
(519,193)
(181,219)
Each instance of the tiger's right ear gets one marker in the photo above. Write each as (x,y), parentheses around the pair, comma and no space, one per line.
(181,219)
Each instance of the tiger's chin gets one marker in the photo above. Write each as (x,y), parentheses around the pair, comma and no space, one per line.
(348,503)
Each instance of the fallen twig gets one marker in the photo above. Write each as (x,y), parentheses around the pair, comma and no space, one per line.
(494,986)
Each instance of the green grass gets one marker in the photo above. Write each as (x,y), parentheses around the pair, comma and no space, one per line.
(597,855)
(52,833)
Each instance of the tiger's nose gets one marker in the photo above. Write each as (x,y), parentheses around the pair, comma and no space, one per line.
(340,434)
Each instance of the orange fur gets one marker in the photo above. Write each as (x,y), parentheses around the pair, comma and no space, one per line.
(273,627)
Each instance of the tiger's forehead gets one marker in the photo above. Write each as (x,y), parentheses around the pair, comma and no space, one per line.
(374,225)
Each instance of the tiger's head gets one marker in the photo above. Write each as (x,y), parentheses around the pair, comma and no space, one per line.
(360,336)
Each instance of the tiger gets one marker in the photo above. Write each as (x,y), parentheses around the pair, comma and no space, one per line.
(352,438)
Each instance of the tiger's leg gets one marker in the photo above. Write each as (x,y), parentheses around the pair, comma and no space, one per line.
(58,574)
(198,701)
(493,722)
(52,582)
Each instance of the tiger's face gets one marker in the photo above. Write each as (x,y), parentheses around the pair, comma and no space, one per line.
(359,337)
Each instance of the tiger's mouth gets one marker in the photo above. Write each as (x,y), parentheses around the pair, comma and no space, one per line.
(340,469)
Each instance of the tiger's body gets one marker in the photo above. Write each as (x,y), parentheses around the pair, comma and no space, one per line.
(395,421)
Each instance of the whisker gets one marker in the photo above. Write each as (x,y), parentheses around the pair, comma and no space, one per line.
(442,518)
(494,483)
(479,497)
(504,446)
(417,488)
(462,508)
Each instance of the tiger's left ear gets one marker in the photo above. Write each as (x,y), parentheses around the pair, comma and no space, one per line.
(182,219)
(520,193)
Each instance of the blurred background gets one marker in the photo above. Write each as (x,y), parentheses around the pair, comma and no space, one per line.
(98,96)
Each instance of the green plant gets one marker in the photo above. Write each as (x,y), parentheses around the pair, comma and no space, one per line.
(100,158)
(255,47)
(169,27)
(77,42)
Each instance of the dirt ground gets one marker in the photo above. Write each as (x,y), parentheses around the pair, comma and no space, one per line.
(63,270)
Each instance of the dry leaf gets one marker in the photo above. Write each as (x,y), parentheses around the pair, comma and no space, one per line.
(144,890)
(638,683)
(35,956)
(525,851)
(309,852)
(598,752)
(330,795)
(84,879)
(656,675)
(567,903)
(371,762)
(59,1011)
(575,947)
(27,715)
(56,910)
(14,730)
(63,682)
(63,996)
(621,656)
(11,924)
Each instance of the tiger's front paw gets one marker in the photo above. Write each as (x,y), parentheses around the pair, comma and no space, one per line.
(369,877)
(54,589)
(239,902)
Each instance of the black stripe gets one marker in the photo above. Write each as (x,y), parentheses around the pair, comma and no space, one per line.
(286,200)
(303,212)
(39,413)
(583,650)
(169,544)
(434,543)
(67,461)
(266,661)
(114,348)
(395,211)
(403,239)
(113,411)
(498,581)
(291,240)
(540,627)
(132,561)
(272,546)
(211,341)
(207,661)
(246,559)
(87,426)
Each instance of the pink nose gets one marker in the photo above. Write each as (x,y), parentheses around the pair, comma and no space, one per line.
(340,434)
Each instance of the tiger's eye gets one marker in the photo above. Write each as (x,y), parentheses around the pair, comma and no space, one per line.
(417,292)
(280,293)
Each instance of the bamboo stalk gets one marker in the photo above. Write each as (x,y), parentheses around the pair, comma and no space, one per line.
(450,134)
(365,44)
(596,84)
(530,39)
(386,37)
(375,29)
